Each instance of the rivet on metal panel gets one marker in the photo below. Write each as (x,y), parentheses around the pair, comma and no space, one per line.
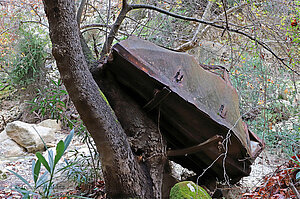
(178,76)
(222,111)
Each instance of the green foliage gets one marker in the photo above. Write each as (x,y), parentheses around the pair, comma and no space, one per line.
(49,102)
(273,97)
(80,169)
(43,185)
(29,59)
(83,168)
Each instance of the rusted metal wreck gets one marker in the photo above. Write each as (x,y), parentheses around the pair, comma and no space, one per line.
(199,110)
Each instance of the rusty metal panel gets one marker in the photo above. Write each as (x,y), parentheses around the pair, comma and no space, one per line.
(195,105)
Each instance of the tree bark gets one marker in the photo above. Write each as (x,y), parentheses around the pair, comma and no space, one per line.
(143,134)
(125,176)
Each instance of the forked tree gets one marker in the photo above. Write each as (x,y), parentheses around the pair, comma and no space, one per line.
(108,123)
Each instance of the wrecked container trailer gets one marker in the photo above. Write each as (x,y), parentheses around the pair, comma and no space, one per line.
(198,110)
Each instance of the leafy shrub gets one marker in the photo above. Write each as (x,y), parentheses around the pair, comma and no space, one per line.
(83,169)
(44,183)
(271,99)
(49,102)
(29,59)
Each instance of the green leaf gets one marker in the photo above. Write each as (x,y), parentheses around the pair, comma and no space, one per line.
(25,193)
(68,139)
(40,138)
(21,178)
(51,159)
(43,161)
(42,180)
(298,176)
(63,92)
(36,167)
(60,148)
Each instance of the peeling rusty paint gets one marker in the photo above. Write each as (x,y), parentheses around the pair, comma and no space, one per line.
(199,106)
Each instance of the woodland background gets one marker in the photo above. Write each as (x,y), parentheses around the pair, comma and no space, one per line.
(263,62)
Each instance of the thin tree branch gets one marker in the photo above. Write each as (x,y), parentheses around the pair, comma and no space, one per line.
(80,11)
(22,22)
(113,31)
(192,43)
(4,87)
(95,25)
(38,22)
(231,10)
(106,45)
(128,7)
(213,24)
(154,29)
(226,17)
(99,14)
(295,190)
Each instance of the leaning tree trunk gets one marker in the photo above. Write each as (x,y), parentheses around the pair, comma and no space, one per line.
(125,175)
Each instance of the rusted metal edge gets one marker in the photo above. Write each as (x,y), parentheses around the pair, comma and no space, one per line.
(195,149)
(136,61)
(159,96)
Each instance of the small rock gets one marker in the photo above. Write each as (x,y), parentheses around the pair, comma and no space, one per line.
(8,147)
(28,135)
(53,124)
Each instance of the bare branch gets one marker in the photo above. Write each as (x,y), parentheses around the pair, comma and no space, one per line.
(95,25)
(229,11)
(99,14)
(22,22)
(38,22)
(106,46)
(191,44)
(4,87)
(80,11)
(226,17)
(113,31)
(213,24)
(128,7)
(295,190)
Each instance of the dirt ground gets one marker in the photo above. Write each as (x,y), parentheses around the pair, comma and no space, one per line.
(266,163)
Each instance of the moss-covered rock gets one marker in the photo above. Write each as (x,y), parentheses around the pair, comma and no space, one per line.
(188,190)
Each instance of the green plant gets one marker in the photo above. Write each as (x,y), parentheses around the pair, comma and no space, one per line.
(28,60)
(49,102)
(80,169)
(272,95)
(44,183)
(83,169)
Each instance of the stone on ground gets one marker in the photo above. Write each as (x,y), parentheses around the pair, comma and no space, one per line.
(28,135)
(8,147)
(53,124)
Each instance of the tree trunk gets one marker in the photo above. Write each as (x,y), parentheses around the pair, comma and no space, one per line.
(125,175)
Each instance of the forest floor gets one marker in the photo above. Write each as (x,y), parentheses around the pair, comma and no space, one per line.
(267,163)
